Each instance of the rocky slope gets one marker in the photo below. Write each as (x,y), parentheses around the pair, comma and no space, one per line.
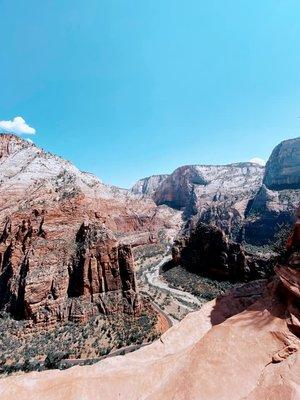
(197,187)
(65,236)
(51,270)
(31,177)
(252,333)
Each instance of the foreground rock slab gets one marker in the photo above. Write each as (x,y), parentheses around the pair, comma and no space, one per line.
(251,355)
(244,345)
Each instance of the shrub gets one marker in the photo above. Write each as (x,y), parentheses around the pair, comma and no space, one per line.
(53,360)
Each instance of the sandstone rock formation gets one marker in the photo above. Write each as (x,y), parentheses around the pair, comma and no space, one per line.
(195,187)
(244,345)
(56,268)
(65,237)
(206,250)
(32,178)
(236,214)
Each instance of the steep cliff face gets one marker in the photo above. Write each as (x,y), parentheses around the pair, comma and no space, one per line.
(248,203)
(56,267)
(149,185)
(206,250)
(252,334)
(196,188)
(283,167)
(274,205)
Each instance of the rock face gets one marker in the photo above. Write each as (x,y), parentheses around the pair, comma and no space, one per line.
(274,205)
(196,187)
(206,250)
(54,269)
(251,333)
(148,186)
(217,194)
(65,237)
(32,178)
(239,208)
(283,167)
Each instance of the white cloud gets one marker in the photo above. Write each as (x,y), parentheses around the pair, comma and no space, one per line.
(258,160)
(29,140)
(18,126)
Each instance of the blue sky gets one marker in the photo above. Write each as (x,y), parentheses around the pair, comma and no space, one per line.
(130,88)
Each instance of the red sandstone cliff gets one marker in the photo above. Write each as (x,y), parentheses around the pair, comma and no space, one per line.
(54,267)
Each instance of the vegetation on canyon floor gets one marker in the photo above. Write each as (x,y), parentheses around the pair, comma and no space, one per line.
(21,350)
(204,288)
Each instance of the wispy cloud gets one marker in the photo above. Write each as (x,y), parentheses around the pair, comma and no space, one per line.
(18,126)
(258,160)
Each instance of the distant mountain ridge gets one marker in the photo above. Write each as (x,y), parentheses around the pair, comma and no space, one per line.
(236,236)
(226,195)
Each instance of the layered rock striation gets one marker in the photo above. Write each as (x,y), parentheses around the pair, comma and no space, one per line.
(65,237)
(54,268)
(32,178)
(148,186)
(249,203)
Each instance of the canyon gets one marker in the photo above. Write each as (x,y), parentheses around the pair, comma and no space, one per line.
(80,258)
(238,214)
(251,333)
(65,238)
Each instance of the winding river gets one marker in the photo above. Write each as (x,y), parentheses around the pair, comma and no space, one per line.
(152,277)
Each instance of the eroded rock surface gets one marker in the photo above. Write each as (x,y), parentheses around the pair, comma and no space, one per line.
(32,178)
(197,187)
(206,250)
(149,185)
(54,267)
(236,234)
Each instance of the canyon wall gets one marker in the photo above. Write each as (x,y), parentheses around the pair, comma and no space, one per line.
(249,203)
(55,267)
(66,237)
(237,215)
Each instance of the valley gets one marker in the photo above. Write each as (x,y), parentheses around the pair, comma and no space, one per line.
(94,274)
(150,200)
